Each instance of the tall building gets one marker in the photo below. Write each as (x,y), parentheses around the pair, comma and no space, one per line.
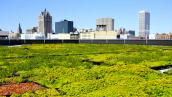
(19,29)
(144,24)
(45,23)
(64,26)
(105,24)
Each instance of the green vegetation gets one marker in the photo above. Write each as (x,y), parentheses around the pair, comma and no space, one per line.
(88,70)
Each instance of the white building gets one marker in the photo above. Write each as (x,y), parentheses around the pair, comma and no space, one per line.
(33,36)
(87,35)
(124,36)
(42,36)
(144,24)
(59,36)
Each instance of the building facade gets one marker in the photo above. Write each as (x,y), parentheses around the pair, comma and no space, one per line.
(99,35)
(144,24)
(74,35)
(45,23)
(63,36)
(32,30)
(87,35)
(105,24)
(35,36)
(64,26)
(131,32)
(105,35)
(163,36)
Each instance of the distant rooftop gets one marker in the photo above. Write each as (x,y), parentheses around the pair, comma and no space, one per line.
(4,33)
(104,18)
(45,13)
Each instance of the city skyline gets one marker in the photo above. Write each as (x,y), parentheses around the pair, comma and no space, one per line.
(85,13)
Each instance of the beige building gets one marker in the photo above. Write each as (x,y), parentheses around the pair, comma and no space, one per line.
(105,24)
(163,36)
(45,23)
(14,35)
(99,35)
(105,35)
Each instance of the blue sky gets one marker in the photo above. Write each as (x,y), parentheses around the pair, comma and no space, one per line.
(85,12)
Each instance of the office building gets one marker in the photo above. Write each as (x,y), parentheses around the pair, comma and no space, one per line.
(131,32)
(45,23)
(144,24)
(105,24)
(64,26)
(19,29)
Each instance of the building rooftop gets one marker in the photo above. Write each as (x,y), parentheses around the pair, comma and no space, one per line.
(143,11)
(45,13)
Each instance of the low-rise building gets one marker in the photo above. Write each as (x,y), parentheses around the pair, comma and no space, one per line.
(163,36)
(74,35)
(4,34)
(123,34)
(14,35)
(87,35)
(99,35)
(32,36)
(105,35)
(59,36)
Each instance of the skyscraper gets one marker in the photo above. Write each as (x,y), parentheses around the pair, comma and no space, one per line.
(64,26)
(144,24)
(19,29)
(45,22)
(105,24)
